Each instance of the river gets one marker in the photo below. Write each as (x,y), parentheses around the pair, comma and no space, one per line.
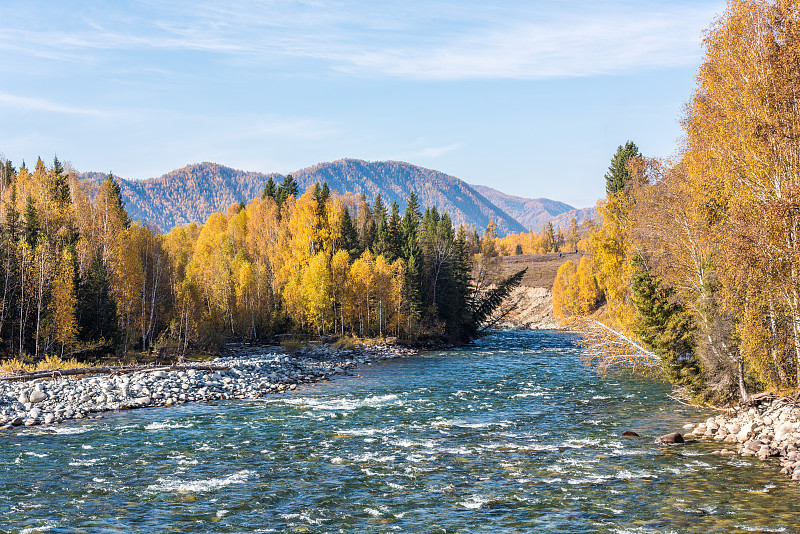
(511,434)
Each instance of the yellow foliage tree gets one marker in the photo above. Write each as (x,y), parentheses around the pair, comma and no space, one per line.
(565,291)
(586,287)
(63,303)
(612,253)
(317,293)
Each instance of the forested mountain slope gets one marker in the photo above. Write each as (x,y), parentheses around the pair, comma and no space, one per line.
(194,192)
(188,194)
(395,180)
(532,213)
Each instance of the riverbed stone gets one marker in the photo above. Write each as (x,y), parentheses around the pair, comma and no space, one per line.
(753,445)
(784,430)
(673,437)
(142,401)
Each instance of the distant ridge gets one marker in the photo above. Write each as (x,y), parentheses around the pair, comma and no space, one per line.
(185,195)
(192,193)
(395,180)
(533,213)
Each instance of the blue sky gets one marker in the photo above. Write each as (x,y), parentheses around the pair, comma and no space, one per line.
(529,97)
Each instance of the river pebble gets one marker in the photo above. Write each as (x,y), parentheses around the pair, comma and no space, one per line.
(249,375)
(769,430)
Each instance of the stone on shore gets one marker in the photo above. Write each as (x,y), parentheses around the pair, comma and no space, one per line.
(249,375)
(767,430)
(37,396)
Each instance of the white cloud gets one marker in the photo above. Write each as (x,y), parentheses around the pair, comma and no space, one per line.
(530,50)
(428,152)
(438,40)
(40,104)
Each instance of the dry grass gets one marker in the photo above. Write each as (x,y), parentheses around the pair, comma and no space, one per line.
(49,363)
(291,345)
(542,268)
(350,343)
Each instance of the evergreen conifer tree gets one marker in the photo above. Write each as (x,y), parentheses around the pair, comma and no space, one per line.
(30,223)
(618,174)
(11,276)
(59,184)
(97,309)
(290,186)
(381,245)
(411,220)
(349,235)
(395,244)
(413,256)
(665,327)
(116,195)
(269,189)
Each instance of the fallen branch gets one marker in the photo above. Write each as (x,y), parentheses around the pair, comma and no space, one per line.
(111,370)
(607,349)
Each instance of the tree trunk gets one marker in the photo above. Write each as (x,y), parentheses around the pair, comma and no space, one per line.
(773,330)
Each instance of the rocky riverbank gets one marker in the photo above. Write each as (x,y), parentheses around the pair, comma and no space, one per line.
(247,374)
(769,430)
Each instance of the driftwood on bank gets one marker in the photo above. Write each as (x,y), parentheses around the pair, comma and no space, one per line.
(111,370)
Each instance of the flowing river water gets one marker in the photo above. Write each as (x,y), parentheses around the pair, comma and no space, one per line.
(511,434)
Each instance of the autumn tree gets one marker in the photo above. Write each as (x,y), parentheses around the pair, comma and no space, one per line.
(63,303)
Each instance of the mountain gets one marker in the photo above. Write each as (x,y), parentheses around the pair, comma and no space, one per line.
(395,180)
(188,194)
(533,213)
(194,192)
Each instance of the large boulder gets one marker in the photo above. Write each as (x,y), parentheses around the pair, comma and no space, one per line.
(784,429)
(674,437)
(38,396)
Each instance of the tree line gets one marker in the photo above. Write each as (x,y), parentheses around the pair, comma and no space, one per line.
(698,258)
(81,277)
(548,240)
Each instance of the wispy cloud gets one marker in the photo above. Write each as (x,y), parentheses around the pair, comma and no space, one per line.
(535,51)
(428,152)
(438,40)
(40,104)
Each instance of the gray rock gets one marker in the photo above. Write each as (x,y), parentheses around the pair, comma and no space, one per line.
(17,421)
(38,396)
(753,445)
(23,398)
(783,430)
(49,418)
